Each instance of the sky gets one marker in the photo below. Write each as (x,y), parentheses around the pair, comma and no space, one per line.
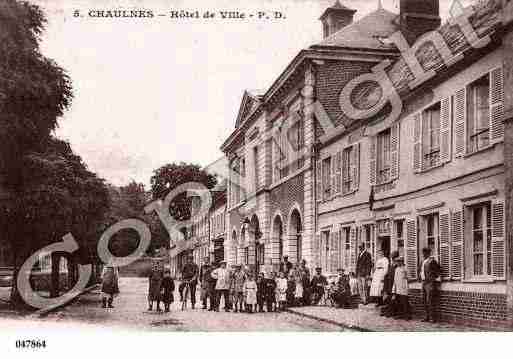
(153,91)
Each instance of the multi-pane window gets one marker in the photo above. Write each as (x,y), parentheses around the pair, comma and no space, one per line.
(399,232)
(481,237)
(432,238)
(349,169)
(478,114)
(326,178)
(384,160)
(431,136)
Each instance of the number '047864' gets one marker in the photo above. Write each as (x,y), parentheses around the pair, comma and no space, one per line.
(31,344)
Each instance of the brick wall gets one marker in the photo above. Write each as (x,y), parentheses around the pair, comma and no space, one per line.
(283,197)
(486,310)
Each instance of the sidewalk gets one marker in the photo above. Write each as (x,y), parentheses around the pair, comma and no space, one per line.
(367,318)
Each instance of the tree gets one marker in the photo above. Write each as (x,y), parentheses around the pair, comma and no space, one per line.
(59,196)
(167,178)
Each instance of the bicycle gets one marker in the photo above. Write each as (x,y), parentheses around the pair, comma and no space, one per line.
(186,291)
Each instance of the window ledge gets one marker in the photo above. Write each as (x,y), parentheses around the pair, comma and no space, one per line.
(484,149)
(431,168)
(484,279)
(339,195)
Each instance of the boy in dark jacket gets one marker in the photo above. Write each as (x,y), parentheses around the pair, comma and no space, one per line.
(261,283)
(168,287)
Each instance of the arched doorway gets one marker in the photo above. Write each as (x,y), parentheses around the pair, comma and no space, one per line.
(255,244)
(277,242)
(295,229)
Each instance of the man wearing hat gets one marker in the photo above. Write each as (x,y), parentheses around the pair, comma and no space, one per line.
(388,283)
(319,282)
(205,282)
(237,287)
(363,272)
(190,273)
(223,277)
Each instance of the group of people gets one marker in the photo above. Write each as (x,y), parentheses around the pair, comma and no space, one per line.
(243,291)
(385,283)
(388,285)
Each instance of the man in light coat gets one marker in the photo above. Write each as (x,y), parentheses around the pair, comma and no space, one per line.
(223,277)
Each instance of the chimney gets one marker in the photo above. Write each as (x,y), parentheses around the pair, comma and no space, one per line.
(419,17)
(335,18)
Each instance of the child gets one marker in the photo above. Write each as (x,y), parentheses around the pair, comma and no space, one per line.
(270,292)
(261,292)
(400,291)
(281,291)
(291,290)
(168,287)
(299,291)
(250,291)
(353,284)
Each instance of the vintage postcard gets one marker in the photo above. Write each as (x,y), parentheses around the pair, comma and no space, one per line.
(256,166)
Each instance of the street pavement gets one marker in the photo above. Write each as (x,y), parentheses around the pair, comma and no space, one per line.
(131,312)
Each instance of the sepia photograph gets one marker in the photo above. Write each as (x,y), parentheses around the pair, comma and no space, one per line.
(263,166)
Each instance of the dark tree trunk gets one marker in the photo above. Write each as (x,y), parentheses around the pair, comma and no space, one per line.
(55,275)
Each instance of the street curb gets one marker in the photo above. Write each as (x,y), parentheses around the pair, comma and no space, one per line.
(44,312)
(329,321)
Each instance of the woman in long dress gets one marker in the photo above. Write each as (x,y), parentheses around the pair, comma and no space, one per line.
(110,285)
(250,290)
(376,289)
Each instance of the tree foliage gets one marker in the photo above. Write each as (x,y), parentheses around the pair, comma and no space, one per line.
(169,177)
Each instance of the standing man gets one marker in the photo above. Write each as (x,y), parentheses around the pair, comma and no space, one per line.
(363,272)
(237,287)
(305,279)
(285,266)
(190,273)
(388,309)
(223,277)
(429,273)
(204,277)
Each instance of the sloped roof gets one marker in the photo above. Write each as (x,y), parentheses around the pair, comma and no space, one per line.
(366,33)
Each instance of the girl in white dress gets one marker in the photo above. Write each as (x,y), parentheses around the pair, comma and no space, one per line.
(281,290)
(250,291)
(378,278)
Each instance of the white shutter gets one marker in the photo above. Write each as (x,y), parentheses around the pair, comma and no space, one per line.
(445,130)
(498,240)
(394,149)
(445,245)
(345,172)
(457,244)
(352,247)
(460,122)
(417,142)
(338,173)
(496,105)
(356,183)
(411,248)
(317,250)
(372,160)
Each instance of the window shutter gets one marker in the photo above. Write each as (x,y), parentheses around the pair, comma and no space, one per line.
(319,181)
(356,183)
(338,172)
(372,161)
(498,243)
(445,130)
(496,105)
(394,149)
(411,248)
(460,122)
(352,250)
(417,143)
(345,166)
(317,250)
(457,244)
(334,250)
(445,246)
